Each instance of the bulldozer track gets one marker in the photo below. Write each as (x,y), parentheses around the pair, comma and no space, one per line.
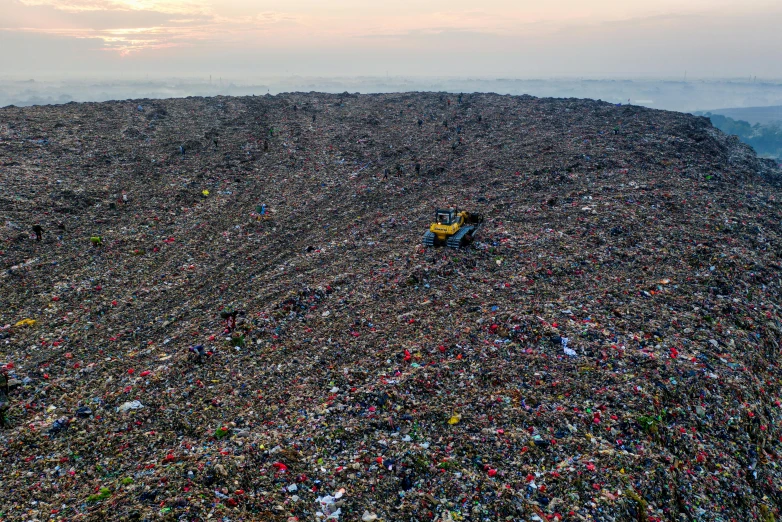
(455,241)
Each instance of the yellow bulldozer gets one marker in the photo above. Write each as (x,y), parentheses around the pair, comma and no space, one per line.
(452,228)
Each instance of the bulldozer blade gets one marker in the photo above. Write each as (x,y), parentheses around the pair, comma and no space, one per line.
(474,219)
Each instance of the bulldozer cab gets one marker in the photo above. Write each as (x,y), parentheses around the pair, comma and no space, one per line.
(445,216)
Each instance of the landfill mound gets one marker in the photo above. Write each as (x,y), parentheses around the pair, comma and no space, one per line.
(230,314)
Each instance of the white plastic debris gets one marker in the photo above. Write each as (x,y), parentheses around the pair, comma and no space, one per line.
(131,405)
(328,506)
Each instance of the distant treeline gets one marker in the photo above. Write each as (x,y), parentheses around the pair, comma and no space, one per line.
(765,139)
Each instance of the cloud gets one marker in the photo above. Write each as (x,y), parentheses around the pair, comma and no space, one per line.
(509,36)
(160,6)
(132,26)
(429,33)
(46,19)
(128,40)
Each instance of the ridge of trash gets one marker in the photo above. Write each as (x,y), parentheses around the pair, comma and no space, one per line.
(227,313)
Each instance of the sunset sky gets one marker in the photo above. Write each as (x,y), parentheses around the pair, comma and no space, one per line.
(511,38)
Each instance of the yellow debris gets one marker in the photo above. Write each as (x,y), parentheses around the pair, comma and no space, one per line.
(26,322)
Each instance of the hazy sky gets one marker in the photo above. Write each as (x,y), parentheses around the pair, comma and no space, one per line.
(510,38)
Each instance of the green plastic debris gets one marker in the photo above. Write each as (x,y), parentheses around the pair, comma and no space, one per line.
(103,494)
(646,422)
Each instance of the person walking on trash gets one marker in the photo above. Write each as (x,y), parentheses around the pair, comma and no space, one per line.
(229,316)
(5,403)
(198,352)
(38,231)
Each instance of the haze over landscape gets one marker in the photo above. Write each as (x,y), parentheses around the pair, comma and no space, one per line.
(603,38)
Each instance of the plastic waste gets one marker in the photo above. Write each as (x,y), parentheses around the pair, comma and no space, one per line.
(130,405)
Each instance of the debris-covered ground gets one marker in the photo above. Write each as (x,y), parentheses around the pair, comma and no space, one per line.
(607,349)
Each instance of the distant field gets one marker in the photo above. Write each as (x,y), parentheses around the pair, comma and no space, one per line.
(752,115)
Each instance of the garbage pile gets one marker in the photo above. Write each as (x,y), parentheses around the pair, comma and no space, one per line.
(228,313)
